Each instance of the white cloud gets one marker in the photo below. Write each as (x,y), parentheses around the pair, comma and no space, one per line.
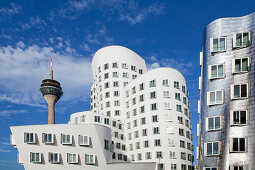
(6,113)
(22,70)
(34,22)
(153,58)
(153,66)
(12,10)
(127,10)
(4,150)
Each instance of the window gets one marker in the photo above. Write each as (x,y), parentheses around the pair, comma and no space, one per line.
(142,109)
(239,91)
(106,121)
(106,75)
(47,138)
(117,112)
(72,158)
(141,98)
(157,142)
(83,118)
(218,44)
(134,112)
(125,83)
(178,96)
(146,144)
(135,123)
(171,142)
(84,140)
(153,95)
(172,155)
(180,120)
(99,69)
(176,85)
(133,68)
(115,75)
(242,39)
(182,144)
(241,65)
(107,94)
(238,145)
(144,132)
(106,66)
(159,154)
(210,168)
(155,118)
(173,167)
(154,106)
(54,157)
(29,138)
(124,65)
(97,118)
(107,104)
(238,167)
(179,108)
(183,155)
(239,117)
(216,71)
(167,106)
(134,76)
(108,113)
(181,132)
(141,86)
(134,101)
(118,145)
(184,89)
(90,159)
(147,155)
(35,157)
(66,139)
(213,123)
(140,71)
(115,84)
(166,94)
(139,156)
(106,144)
(185,100)
(133,90)
(116,93)
(137,145)
(143,121)
(156,130)
(212,148)
(136,134)
(165,83)
(183,166)
(215,97)
(114,65)
(116,103)
(125,75)
(153,83)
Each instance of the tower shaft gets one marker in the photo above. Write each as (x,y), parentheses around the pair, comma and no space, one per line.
(51,100)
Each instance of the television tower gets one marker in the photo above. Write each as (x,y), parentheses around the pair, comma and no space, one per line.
(52,92)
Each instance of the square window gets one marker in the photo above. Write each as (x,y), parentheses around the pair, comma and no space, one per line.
(239,117)
(66,139)
(215,97)
(218,44)
(54,157)
(241,65)
(242,39)
(72,158)
(238,145)
(216,71)
(212,148)
(90,159)
(213,123)
(239,91)
(47,138)
(35,157)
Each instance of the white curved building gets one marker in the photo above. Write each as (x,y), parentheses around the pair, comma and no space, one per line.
(139,119)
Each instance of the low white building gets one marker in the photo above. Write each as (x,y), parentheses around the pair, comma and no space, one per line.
(139,119)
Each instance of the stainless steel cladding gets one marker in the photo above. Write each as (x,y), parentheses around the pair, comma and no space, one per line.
(227,118)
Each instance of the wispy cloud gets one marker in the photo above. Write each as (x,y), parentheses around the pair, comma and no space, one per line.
(7,113)
(23,67)
(34,21)
(126,10)
(9,11)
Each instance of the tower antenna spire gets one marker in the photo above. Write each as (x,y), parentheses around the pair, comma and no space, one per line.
(51,70)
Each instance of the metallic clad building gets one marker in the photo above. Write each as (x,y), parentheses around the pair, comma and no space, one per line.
(226,127)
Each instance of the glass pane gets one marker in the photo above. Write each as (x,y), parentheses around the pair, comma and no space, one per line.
(245,39)
(211,123)
(55,157)
(236,117)
(70,158)
(217,122)
(245,64)
(49,138)
(220,70)
(209,149)
(212,97)
(214,71)
(244,90)
(243,117)
(239,39)
(91,158)
(31,137)
(242,144)
(236,91)
(74,158)
(215,148)
(51,157)
(214,168)
(215,44)
(37,157)
(219,96)
(222,44)
(33,157)
(68,139)
(235,144)
(237,65)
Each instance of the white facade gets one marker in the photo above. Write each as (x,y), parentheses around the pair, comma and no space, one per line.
(138,119)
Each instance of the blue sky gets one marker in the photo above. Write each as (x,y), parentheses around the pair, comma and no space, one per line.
(164,33)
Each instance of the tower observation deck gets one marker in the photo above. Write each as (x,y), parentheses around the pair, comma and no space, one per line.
(52,92)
